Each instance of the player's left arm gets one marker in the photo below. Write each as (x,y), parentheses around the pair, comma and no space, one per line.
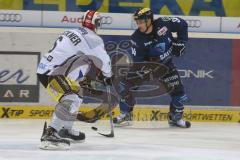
(179,26)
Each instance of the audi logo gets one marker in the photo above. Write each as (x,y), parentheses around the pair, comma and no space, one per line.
(106,20)
(194,23)
(10,17)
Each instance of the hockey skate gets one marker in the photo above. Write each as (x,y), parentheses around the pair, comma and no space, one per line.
(124,119)
(50,140)
(178,123)
(72,135)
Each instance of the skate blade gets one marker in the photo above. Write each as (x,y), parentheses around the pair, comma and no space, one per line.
(123,124)
(74,141)
(176,126)
(79,141)
(47,145)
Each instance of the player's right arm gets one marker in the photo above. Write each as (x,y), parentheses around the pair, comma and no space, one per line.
(137,50)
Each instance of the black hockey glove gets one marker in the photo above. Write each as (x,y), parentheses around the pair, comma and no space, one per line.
(178,48)
(87,84)
(105,80)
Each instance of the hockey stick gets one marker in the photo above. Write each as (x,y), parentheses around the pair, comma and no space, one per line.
(111,134)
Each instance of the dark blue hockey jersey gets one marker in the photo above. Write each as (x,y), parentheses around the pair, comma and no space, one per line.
(157,44)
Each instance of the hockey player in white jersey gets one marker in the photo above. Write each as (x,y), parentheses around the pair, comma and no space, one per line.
(61,70)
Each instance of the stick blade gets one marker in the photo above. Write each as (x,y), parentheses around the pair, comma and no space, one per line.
(110,135)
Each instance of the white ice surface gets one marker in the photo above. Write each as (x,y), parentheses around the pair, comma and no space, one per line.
(19,140)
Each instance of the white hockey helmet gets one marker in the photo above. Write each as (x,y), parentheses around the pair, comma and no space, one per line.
(91,20)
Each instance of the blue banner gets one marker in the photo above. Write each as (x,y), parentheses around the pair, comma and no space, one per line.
(206,70)
(166,7)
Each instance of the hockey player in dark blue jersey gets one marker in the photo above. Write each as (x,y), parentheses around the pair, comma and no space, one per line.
(153,42)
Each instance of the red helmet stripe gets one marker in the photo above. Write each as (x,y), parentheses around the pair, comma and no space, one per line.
(90,15)
(88,20)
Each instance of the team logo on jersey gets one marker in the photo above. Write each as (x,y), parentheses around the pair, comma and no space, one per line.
(49,58)
(162,31)
(160,47)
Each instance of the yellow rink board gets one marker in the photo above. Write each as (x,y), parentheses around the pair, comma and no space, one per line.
(140,113)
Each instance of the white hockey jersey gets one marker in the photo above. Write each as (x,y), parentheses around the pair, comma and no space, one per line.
(73,50)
